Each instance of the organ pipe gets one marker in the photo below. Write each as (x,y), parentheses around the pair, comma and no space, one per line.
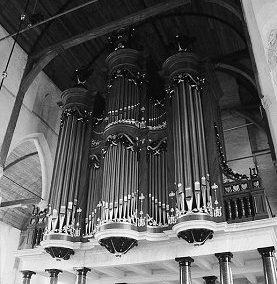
(190,153)
(118,197)
(158,207)
(64,207)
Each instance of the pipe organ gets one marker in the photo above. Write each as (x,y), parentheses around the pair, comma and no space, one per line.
(143,168)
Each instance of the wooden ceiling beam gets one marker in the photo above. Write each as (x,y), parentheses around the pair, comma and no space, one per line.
(232,8)
(237,70)
(20,160)
(38,61)
(231,57)
(19,202)
(126,21)
(46,28)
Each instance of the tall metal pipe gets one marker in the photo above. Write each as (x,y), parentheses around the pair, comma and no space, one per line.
(190,153)
(76,119)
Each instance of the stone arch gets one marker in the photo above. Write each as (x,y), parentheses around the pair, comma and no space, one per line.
(46,162)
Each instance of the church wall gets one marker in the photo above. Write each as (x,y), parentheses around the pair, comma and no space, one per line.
(39,118)
(9,239)
(39,113)
(261,21)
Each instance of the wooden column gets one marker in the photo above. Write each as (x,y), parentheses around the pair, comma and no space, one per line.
(210,279)
(185,269)
(269,264)
(27,274)
(224,259)
(53,273)
(82,275)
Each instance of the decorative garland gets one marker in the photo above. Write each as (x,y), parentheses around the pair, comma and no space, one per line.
(181,77)
(158,146)
(81,114)
(158,127)
(227,171)
(134,76)
(129,142)
(126,121)
(95,160)
(95,143)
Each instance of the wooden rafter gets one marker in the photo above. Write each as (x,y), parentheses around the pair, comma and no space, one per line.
(129,20)
(37,62)
(20,160)
(19,202)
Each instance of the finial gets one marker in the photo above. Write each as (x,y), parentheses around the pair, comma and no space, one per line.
(81,76)
(122,38)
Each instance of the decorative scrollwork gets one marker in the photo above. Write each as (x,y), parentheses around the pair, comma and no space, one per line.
(129,142)
(156,147)
(228,172)
(181,77)
(159,103)
(95,143)
(134,76)
(95,160)
(97,120)
(81,114)
(125,121)
(158,127)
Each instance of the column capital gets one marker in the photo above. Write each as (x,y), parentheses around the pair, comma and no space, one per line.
(184,261)
(182,62)
(266,251)
(53,272)
(82,270)
(27,273)
(121,59)
(210,279)
(77,96)
(224,256)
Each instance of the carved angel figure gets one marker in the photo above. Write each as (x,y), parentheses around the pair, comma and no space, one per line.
(272,53)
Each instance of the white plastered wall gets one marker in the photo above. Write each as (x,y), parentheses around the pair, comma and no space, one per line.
(38,121)
(9,238)
(261,20)
(39,116)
